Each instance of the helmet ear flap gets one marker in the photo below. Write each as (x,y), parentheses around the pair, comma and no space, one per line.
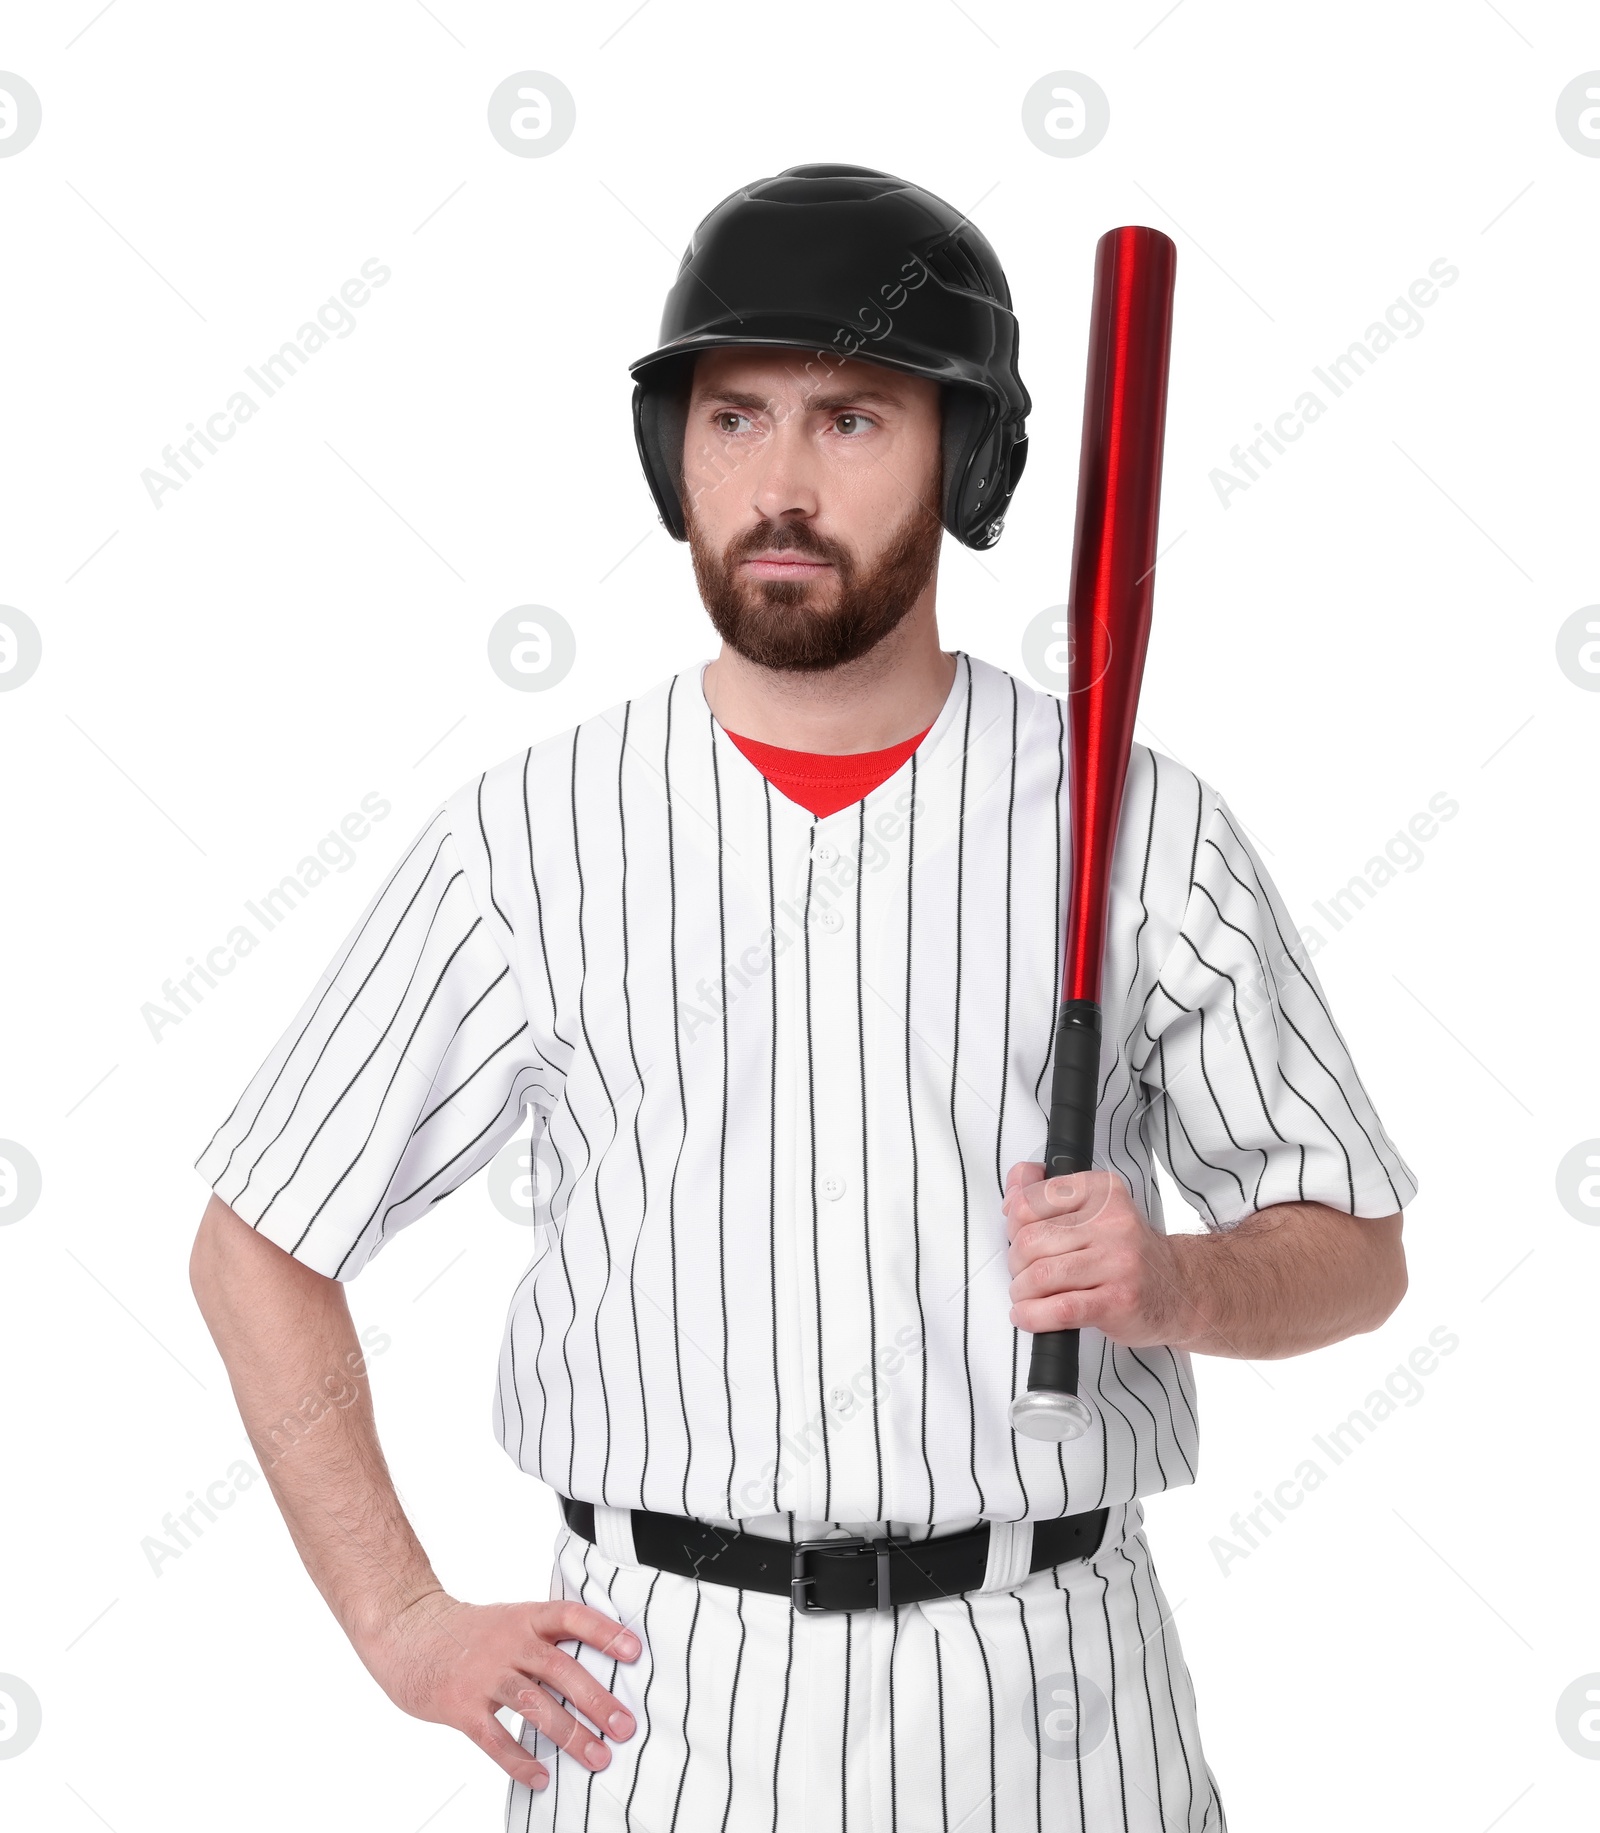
(983,458)
(660,415)
(961,428)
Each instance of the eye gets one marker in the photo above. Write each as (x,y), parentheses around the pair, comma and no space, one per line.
(726,413)
(860,419)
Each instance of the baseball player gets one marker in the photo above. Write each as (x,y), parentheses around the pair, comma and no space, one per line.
(771,953)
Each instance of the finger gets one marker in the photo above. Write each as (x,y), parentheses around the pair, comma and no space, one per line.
(581,1690)
(1034,1241)
(1047,1197)
(567,1620)
(1071,1191)
(1075,1272)
(563,1730)
(1056,1311)
(1028,1171)
(1021,1177)
(1025,1203)
(1085,1194)
(518,1763)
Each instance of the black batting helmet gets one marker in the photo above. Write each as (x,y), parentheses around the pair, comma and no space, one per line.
(846,262)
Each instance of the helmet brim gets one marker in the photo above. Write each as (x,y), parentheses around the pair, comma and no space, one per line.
(823,343)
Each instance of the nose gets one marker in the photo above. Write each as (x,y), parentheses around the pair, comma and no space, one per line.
(783,481)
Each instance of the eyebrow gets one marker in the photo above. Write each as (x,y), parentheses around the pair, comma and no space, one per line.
(829,403)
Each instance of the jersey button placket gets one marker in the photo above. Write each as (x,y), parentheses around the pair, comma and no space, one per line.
(826,914)
(806,1047)
(835,1194)
(823,927)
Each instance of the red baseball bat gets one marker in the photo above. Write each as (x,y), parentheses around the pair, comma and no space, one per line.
(1113,564)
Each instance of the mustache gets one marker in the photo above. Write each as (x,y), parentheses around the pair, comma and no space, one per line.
(782,537)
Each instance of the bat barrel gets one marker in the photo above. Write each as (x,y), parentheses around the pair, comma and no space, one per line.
(1113,567)
(1113,562)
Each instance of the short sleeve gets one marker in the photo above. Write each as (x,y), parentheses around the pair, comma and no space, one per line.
(404,1071)
(1254,1096)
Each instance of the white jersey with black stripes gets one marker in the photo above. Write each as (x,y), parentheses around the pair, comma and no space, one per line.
(783,1065)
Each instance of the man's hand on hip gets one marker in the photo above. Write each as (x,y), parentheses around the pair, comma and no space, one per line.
(1082,1256)
(458,1664)
(280,1327)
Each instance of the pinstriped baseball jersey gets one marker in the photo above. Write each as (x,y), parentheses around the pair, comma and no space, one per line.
(782,1065)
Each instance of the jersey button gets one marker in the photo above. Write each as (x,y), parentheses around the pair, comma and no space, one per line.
(825,853)
(830,919)
(839,1399)
(833,1188)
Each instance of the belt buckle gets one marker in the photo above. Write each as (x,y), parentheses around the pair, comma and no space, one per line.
(801,1581)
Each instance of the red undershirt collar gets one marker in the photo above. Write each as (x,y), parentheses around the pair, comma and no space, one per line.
(823,781)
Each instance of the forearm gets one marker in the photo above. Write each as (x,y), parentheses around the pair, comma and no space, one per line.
(1291,1278)
(298,1376)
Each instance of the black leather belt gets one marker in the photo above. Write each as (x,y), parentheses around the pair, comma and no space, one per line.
(852,1572)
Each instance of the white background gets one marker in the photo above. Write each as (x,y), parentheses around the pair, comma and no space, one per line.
(1372,622)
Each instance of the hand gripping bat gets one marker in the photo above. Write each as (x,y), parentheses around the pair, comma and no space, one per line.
(1113,560)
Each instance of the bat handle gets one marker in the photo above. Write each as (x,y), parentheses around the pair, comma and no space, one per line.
(1051,1408)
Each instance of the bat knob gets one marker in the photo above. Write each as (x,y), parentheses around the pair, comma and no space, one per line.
(1042,1413)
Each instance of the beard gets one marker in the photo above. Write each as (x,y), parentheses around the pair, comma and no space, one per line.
(806,625)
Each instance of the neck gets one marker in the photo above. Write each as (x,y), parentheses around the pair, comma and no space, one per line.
(893,692)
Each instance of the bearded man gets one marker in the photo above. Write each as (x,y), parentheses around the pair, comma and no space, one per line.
(771,953)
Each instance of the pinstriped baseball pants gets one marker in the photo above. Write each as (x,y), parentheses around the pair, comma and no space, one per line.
(1059,1703)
